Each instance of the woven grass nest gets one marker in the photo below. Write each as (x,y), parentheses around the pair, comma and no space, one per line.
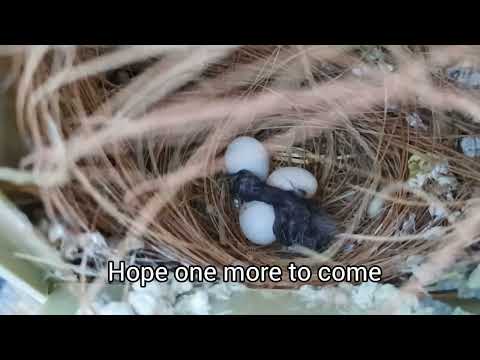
(128,141)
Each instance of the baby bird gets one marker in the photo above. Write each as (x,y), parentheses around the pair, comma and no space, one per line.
(298,221)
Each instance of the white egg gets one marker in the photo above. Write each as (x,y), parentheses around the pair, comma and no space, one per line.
(256,222)
(294,178)
(247,153)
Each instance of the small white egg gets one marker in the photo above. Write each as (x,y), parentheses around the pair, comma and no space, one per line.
(247,153)
(256,222)
(294,178)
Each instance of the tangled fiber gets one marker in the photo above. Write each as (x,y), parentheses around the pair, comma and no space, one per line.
(128,141)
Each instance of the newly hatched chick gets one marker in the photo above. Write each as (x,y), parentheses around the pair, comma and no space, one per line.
(298,221)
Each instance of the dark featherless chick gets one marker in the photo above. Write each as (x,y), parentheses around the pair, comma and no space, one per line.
(298,221)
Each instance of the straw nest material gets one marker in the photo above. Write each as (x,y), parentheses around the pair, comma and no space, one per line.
(128,141)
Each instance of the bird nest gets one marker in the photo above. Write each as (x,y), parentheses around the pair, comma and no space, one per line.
(128,141)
